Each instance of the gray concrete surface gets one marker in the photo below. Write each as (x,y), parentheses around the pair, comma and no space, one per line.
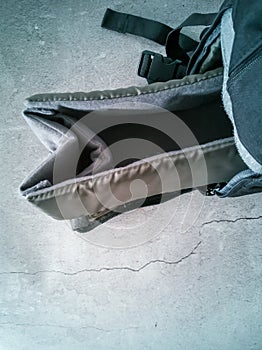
(193,283)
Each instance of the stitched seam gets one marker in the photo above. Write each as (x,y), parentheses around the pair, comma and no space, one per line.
(71,98)
(55,192)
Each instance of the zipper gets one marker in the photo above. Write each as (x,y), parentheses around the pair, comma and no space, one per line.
(248,61)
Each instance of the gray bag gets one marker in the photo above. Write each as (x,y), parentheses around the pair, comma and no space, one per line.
(113,151)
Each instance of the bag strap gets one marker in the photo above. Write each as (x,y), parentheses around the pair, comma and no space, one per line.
(147,28)
(153,66)
(176,46)
(125,23)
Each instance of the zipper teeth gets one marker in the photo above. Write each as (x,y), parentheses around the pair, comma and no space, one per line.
(251,58)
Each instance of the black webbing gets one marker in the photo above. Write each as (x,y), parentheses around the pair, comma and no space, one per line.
(125,23)
(198,19)
(155,67)
(176,46)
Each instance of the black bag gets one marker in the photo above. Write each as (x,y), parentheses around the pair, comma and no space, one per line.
(196,125)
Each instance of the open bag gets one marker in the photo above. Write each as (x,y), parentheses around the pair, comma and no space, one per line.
(192,127)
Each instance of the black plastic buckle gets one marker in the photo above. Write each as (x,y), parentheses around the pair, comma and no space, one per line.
(155,67)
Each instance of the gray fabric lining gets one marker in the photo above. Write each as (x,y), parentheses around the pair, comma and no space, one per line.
(214,57)
(197,68)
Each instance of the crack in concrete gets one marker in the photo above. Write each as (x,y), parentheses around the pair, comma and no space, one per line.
(132,269)
(128,268)
(66,327)
(231,220)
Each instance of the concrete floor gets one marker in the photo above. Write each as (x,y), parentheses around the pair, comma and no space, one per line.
(190,274)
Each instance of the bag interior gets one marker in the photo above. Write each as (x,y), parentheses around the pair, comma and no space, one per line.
(69,129)
(207,122)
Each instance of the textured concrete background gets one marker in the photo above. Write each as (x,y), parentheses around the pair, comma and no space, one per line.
(196,285)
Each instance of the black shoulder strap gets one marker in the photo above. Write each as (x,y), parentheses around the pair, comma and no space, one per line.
(126,23)
(176,46)
(147,28)
(154,67)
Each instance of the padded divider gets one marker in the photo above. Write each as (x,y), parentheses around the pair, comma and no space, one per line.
(99,194)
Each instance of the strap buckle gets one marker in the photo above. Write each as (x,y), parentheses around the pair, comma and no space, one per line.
(155,67)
